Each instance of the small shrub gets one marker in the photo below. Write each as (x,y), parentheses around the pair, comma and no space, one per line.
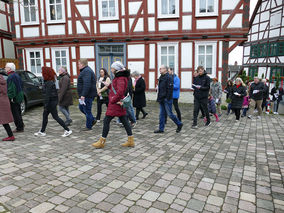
(223,107)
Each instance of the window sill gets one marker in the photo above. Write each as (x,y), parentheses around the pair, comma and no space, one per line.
(29,23)
(167,16)
(206,15)
(109,19)
(56,22)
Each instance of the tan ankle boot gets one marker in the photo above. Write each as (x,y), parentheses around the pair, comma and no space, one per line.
(129,142)
(100,143)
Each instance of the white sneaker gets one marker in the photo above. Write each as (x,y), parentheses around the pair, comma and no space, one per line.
(98,121)
(67,133)
(39,133)
(267,113)
(276,113)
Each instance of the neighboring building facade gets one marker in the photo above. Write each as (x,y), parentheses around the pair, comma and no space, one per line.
(234,70)
(142,34)
(7,49)
(264,50)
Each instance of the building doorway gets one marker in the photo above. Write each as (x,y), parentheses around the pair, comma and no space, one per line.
(107,54)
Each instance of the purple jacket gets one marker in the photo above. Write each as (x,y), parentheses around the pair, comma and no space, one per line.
(246,101)
(211,105)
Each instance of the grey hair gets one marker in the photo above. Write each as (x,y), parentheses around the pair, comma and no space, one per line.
(166,67)
(12,66)
(135,73)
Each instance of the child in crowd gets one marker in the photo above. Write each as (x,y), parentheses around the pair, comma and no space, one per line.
(212,108)
(245,105)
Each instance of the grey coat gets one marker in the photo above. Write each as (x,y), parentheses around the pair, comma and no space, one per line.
(216,91)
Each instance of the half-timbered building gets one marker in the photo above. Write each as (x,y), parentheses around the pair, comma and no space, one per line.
(264,50)
(143,34)
(7,49)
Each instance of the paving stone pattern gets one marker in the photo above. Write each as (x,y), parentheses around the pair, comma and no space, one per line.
(226,167)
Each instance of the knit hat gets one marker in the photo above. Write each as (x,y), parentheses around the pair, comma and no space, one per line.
(118,66)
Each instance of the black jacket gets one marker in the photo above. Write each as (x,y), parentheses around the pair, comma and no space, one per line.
(229,90)
(273,92)
(86,85)
(259,94)
(204,82)
(129,88)
(49,92)
(139,98)
(237,101)
(266,92)
(165,88)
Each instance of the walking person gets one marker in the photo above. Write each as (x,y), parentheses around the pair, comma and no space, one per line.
(87,91)
(50,102)
(65,98)
(139,98)
(117,89)
(279,95)
(6,116)
(256,97)
(228,91)
(15,95)
(102,91)
(165,99)
(237,96)
(216,92)
(245,105)
(176,92)
(212,108)
(201,86)
(265,96)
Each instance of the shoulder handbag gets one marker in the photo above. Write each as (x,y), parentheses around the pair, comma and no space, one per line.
(126,102)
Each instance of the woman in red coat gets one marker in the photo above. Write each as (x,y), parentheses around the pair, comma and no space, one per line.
(117,91)
(6,116)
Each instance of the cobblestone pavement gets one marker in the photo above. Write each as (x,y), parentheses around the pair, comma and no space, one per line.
(225,167)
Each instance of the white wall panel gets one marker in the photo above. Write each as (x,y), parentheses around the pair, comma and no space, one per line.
(47,53)
(186,6)
(186,80)
(87,52)
(17,29)
(152,56)
(274,33)
(224,18)
(92,65)
(123,25)
(94,7)
(122,8)
(220,53)
(186,22)
(79,27)
(261,70)
(186,55)
(1,56)
(136,51)
(48,64)
(220,76)
(41,10)
(206,24)
(247,50)
(136,66)
(229,5)
(151,6)
(56,29)
(109,28)
(73,52)
(31,32)
(70,30)
(9,49)
(74,67)
(68,9)
(264,16)
(236,21)
(16,11)
(151,24)
(134,7)
(83,10)
(168,25)
(151,80)
(139,26)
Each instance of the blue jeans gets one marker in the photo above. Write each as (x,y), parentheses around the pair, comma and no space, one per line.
(65,112)
(87,110)
(166,109)
(130,115)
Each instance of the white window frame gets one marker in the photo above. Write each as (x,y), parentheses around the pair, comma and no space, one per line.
(168,44)
(278,12)
(197,11)
(23,22)
(29,60)
(101,18)
(160,15)
(49,21)
(214,56)
(54,58)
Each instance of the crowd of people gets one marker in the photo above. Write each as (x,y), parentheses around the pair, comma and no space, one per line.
(122,91)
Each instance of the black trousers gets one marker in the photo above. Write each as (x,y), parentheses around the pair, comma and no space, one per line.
(17,115)
(200,104)
(175,103)
(123,120)
(51,108)
(8,130)
(100,102)
(237,113)
(138,110)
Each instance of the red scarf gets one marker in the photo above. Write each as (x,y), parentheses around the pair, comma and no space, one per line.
(238,85)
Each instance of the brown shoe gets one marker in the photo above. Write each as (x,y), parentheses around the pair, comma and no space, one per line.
(18,131)
(129,142)
(100,143)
